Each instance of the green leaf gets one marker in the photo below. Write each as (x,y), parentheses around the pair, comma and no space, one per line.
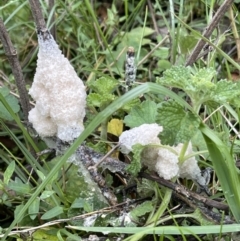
(46,194)
(103,85)
(52,213)
(135,166)
(142,209)
(8,172)
(179,125)
(19,187)
(187,42)
(128,107)
(145,113)
(225,168)
(163,65)
(197,86)
(12,101)
(17,210)
(78,203)
(226,91)
(99,100)
(45,234)
(177,76)
(34,208)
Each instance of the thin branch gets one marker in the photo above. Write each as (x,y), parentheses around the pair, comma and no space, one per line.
(11,54)
(37,15)
(185,192)
(208,31)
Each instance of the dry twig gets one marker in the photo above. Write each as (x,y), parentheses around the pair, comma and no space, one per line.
(208,31)
(37,15)
(11,54)
(185,192)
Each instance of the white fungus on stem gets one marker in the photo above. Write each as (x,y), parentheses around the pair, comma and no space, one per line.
(59,93)
(162,159)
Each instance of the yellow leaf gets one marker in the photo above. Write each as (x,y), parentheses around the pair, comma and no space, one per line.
(115,127)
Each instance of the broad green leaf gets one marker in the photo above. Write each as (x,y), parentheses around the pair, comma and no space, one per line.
(78,203)
(226,91)
(87,207)
(135,166)
(41,175)
(52,213)
(179,125)
(45,234)
(33,209)
(145,113)
(12,101)
(187,42)
(197,86)
(177,76)
(99,100)
(163,65)
(142,209)
(19,187)
(103,85)
(46,194)
(128,107)
(8,172)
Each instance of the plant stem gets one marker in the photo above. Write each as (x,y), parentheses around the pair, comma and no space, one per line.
(11,54)
(208,31)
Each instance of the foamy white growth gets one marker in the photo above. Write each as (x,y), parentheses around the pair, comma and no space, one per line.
(144,135)
(59,94)
(167,164)
(163,160)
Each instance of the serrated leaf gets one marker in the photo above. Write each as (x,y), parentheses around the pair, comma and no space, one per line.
(99,100)
(12,101)
(34,208)
(103,85)
(135,166)
(142,209)
(142,114)
(226,91)
(52,213)
(145,187)
(8,172)
(177,76)
(178,125)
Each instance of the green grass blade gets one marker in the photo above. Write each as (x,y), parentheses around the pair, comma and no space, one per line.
(225,168)
(167,230)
